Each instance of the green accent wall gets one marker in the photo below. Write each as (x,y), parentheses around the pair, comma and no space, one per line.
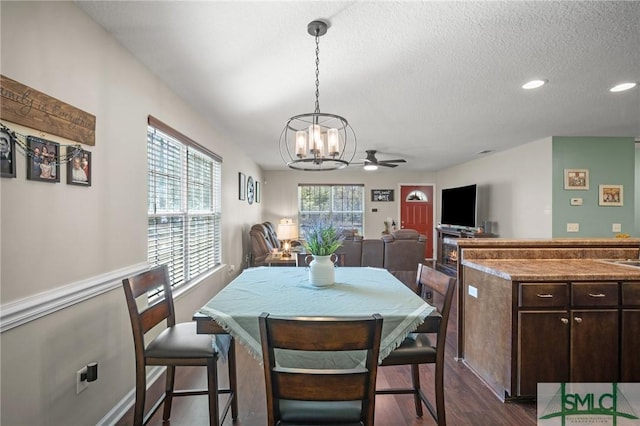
(610,160)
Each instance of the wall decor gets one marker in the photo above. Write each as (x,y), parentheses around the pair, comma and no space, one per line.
(79,167)
(23,105)
(43,161)
(382,195)
(7,154)
(576,179)
(242,182)
(251,190)
(610,195)
(258,192)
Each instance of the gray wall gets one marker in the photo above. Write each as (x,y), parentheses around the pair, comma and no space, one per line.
(609,161)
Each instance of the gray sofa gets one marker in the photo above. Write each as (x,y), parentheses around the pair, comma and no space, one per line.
(399,252)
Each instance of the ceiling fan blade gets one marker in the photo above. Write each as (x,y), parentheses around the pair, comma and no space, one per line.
(399,160)
(385,164)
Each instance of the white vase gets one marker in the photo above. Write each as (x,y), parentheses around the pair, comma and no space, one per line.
(322,271)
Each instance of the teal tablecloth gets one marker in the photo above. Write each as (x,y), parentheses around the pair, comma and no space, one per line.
(287,292)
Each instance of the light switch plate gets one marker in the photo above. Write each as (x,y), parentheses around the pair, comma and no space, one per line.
(473,291)
(573,227)
(576,201)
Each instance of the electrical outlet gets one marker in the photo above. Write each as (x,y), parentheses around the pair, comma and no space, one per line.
(573,227)
(232,268)
(81,384)
(616,227)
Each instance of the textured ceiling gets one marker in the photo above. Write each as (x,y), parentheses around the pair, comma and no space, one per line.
(433,82)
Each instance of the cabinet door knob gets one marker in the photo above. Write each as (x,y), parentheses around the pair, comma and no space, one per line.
(545,295)
(596,295)
(564,320)
(577,319)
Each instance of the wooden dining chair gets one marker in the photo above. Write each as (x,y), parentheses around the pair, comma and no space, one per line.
(312,395)
(176,345)
(419,348)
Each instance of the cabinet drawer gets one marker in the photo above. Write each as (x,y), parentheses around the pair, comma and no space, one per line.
(541,295)
(594,294)
(631,293)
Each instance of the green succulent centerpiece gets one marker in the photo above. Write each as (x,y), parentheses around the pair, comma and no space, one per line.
(322,239)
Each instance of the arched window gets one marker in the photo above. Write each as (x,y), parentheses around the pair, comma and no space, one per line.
(414,196)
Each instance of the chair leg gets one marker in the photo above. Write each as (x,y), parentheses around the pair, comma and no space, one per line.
(233,380)
(415,379)
(168,399)
(439,383)
(212,382)
(141,391)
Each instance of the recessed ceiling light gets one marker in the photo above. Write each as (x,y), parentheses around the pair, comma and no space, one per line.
(622,87)
(534,84)
(370,167)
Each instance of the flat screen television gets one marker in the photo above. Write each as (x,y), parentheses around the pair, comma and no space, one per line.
(458,206)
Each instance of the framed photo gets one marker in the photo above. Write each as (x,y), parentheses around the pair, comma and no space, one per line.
(258,190)
(78,167)
(43,160)
(576,179)
(610,195)
(242,186)
(7,154)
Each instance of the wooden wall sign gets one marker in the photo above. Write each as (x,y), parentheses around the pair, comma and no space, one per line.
(28,107)
(382,195)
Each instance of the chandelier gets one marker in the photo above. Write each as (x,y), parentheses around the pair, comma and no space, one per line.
(317,141)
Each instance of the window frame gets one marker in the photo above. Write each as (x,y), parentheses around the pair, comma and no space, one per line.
(192,269)
(332,211)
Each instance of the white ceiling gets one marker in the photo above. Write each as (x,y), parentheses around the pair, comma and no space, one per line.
(433,82)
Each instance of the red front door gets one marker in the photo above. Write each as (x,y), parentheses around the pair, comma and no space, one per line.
(417,213)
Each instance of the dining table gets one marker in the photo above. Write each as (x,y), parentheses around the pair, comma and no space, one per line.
(287,292)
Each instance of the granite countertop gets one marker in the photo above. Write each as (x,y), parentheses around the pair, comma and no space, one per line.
(553,242)
(541,270)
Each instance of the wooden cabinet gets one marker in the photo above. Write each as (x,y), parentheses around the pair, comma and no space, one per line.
(595,339)
(543,335)
(447,250)
(577,332)
(629,332)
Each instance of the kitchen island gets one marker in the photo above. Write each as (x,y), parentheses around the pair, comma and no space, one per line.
(548,311)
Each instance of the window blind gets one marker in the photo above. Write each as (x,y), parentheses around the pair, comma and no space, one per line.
(184,205)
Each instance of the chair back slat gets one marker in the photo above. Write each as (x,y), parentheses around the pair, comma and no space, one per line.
(144,318)
(315,334)
(309,385)
(321,334)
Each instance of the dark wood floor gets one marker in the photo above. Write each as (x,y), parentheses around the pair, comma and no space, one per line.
(468,400)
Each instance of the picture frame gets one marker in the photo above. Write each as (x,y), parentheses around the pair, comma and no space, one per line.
(7,154)
(242,186)
(382,195)
(258,192)
(43,160)
(576,179)
(610,195)
(79,167)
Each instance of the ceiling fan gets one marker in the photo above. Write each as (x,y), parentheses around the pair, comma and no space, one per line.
(371,162)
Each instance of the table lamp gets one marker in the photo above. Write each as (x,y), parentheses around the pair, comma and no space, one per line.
(287,231)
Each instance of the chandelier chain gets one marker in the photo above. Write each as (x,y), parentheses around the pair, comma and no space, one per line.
(317,71)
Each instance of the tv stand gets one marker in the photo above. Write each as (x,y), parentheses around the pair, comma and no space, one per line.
(447,250)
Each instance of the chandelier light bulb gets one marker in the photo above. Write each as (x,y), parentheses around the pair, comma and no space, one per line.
(301,144)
